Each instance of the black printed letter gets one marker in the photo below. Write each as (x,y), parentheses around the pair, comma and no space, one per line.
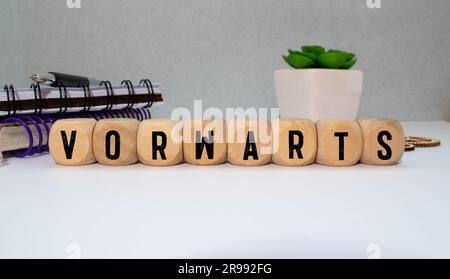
(297,147)
(384,145)
(201,142)
(68,147)
(250,147)
(116,154)
(160,148)
(341,136)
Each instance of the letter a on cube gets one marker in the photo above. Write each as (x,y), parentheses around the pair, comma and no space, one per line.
(70,142)
(249,142)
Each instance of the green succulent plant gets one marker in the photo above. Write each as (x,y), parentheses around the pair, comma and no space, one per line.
(318,57)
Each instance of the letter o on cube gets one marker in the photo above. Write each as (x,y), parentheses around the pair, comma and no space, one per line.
(115,142)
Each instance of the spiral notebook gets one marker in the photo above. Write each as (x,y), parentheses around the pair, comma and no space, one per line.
(27,135)
(42,99)
(26,114)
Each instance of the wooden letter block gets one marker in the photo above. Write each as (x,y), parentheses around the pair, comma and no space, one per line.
(249,142)
(70,142)
(204,142)
(383,142)
(160,142)
(339,142)
(115,142)
(294,143)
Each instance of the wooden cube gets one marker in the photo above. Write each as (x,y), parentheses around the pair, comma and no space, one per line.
(70,142)
(160,142)
(294,142)
(339,142)
(249,142)
(115,142)
(204,142)
(383,142)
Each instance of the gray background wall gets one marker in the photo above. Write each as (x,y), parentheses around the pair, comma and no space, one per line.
(225,51)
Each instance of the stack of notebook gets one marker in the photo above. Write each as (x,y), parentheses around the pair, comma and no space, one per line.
(27,114)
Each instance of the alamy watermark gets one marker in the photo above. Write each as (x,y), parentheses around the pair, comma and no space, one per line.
(73,4)
(251,125)
(373,251)
(374,4)
(73,252)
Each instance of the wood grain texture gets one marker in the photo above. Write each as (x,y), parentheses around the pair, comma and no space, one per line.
(249,142)
(71,142)
(160,142)
(115,142)
(383,141)
(205,142)
(339,143)
(294,143)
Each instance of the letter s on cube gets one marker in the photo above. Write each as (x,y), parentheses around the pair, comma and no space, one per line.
(383,142)
(70,142)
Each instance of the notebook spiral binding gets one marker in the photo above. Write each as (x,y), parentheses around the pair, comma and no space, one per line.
(38,120)
(65,101)
(46,120)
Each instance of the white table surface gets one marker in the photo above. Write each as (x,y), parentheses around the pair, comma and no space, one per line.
(49,211)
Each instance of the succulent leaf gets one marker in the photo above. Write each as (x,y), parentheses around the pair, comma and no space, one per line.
(299,61)
(349,56)
(286,59)
(332,60)
(311,56)
(347,65)
(317,57)
(316,50)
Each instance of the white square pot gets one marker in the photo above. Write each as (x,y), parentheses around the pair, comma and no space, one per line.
(318,93)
